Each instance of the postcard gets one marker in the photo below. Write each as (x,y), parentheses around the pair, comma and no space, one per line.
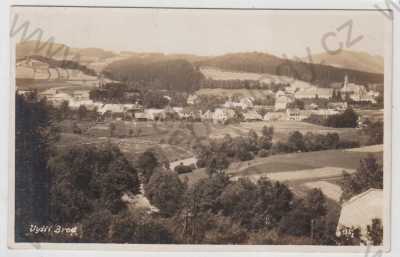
(181,128)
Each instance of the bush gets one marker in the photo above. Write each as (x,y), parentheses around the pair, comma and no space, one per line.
(95,227)
(182,169)
(368,175)
(165,191)
(127,229)
(263,153)
(348,119)
(297,222)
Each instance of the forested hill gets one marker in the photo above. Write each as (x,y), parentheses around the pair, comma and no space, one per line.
(156,73)
(319,74)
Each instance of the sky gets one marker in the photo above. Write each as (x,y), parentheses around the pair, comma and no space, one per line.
(205,31)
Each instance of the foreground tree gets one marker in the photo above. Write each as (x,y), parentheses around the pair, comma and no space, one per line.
(165,191)
(89,179)
(127,228)
(375,232)
(33,137)
(368,175)
(147,164)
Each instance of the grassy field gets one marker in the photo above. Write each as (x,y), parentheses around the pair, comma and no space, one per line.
(372,115)
(315,162)
(299,161)
(282,129)
(219,74)
(42,85)
(173,140)
(256,93)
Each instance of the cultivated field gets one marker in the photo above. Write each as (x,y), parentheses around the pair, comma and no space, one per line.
(297,168)
(372,115)
(42,85)
(255,93)
(218,74)
(173,140)
(282,129)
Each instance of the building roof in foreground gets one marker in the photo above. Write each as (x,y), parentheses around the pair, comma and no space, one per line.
(359,211)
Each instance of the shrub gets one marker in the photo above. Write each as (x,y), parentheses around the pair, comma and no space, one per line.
(263,153)
(182,169)
(165,191)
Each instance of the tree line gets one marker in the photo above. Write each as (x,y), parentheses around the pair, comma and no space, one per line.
(217,155)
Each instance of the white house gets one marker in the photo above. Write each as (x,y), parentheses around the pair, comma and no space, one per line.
(89,104)
(80,95)
(179,111)
(190,113)
(111,108)
(244,103)
(192,99)
(207,115)
(282,102)
(325,112)
(314,92)
(141,116)
(297,114)
(338,106)
(252,116)
(359,211)
(155,114)
(279,93)
(222,115)
(55,97)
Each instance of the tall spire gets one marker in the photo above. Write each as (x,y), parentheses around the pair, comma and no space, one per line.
(346,81)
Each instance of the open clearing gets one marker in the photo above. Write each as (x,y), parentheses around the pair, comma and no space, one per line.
(256,93)
(282,129)
(367,149)
(300,175)
(312,166)
(220,74)
(44,84)
(330,190)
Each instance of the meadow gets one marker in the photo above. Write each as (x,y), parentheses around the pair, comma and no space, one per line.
(311,166)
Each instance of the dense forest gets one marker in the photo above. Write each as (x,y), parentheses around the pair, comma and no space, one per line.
(316,73)
(156,73)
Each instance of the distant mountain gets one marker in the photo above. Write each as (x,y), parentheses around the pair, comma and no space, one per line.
(351,60)
(56,50)
(360,67)
(188,57)
(30,48)
(257,62)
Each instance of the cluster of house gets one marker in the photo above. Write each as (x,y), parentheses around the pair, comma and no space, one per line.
(357,93)
(229,110)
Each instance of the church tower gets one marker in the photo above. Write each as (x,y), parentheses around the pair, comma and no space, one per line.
(346,81)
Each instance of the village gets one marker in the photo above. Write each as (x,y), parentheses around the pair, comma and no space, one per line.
(174,130)
(286,103)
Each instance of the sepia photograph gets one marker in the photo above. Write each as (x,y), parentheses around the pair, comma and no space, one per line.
(177,126)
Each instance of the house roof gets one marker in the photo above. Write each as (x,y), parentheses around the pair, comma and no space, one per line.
(359,211)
